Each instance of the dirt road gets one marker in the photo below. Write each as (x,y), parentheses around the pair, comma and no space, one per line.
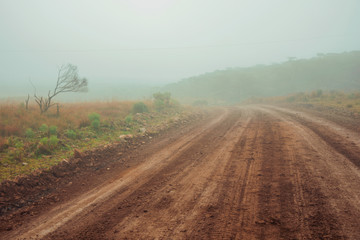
(243,173)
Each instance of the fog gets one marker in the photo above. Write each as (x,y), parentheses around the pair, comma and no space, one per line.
(122,46)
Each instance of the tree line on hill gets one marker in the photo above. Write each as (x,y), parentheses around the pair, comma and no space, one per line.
(340,71)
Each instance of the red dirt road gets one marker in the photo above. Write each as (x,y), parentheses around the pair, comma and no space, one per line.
(243,173)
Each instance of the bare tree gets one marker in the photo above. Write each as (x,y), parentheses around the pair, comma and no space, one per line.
(27,102)
(68,80)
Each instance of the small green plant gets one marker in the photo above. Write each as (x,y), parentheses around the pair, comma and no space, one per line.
(53,142)
(29,133)
(139,107)
(46,145)
(128,119)
(44,141)
(43,147)
(44,129)
(94,120)
(94,116)
(161,100)
(19,144)
(95,124)
(53,130)
(16,151)
(70,134)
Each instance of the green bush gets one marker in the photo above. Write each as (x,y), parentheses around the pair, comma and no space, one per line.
(53,142)
(94,120)
(18,152)
(94,116)
(44,141)
(161,100)
(128,119)
(53,130)
(43,147)
(139,107)
(29,133)
(70,134)
(159,105)
(44,128)
(95,124)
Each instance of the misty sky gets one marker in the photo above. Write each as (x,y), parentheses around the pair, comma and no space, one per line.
(162,41)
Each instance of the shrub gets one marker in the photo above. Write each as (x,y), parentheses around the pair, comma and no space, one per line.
(128,119)
(46,145)
(95,124)
(53,130)
(53,142)
(94,120)
(43,147)
(139,107)
(159,105)
(44,141)
(17,153)
(70,134)
(94,116)
(161,100)
(29,133)
(44,128)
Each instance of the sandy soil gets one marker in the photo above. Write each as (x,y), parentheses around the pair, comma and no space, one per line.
(256,172)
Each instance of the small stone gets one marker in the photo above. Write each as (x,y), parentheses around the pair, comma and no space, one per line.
(260,222)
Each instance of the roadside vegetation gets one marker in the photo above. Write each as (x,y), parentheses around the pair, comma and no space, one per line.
(31,140)
(336,99)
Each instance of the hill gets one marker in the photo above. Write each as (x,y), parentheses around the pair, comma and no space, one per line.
(333,71)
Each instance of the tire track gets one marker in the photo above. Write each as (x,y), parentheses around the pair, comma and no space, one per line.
(232,212)
(331,208)
(339,138)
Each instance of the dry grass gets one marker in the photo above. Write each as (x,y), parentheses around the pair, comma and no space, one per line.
(23,151)
(338,99)
(15,119)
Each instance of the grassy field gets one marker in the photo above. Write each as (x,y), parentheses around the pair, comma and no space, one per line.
(349,101)
(31,141)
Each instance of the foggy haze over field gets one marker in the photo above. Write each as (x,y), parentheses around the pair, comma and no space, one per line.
(118,44)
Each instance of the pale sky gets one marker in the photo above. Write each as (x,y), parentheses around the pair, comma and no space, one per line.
(163,41)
